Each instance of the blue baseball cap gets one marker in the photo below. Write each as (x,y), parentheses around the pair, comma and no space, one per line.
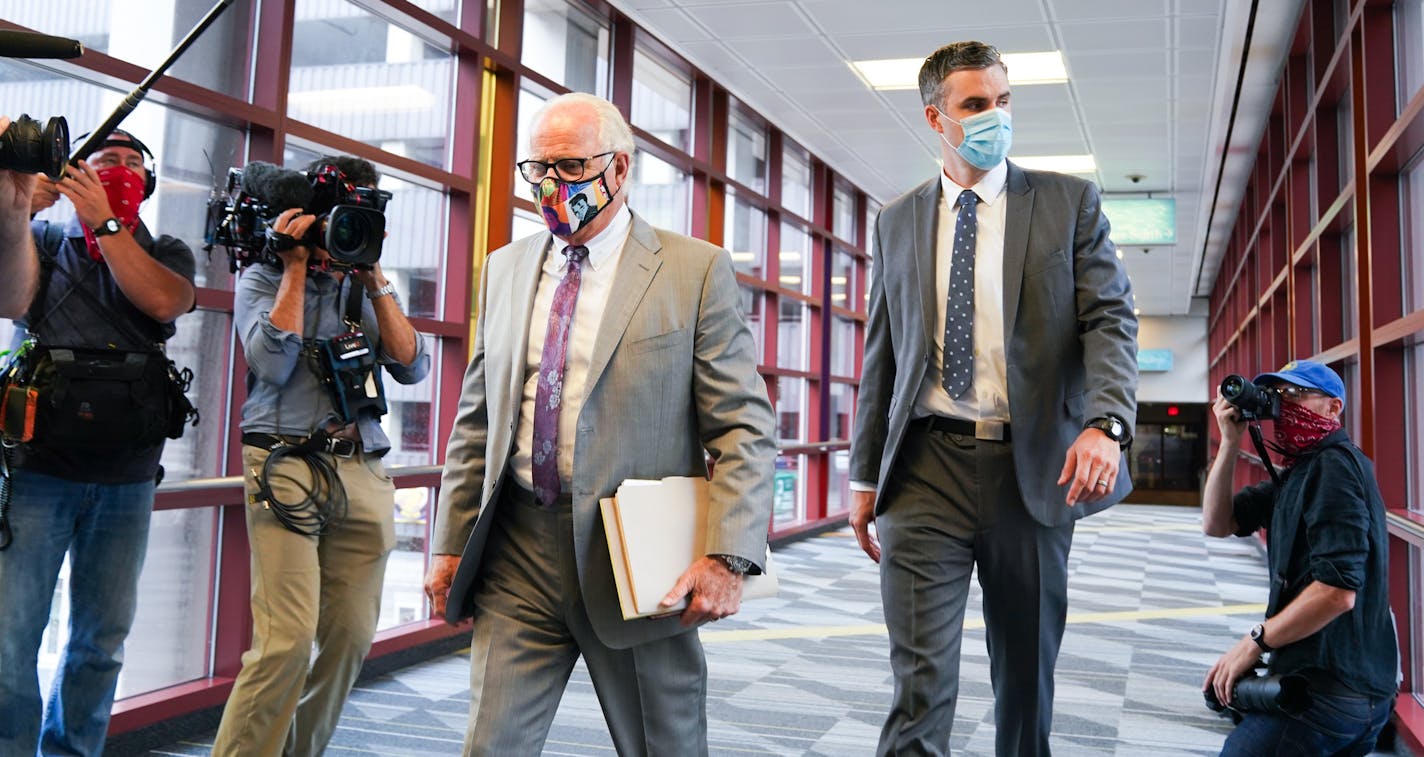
(1309,374)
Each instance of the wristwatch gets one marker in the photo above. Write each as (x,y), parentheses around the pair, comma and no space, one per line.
(106,228)
(389,288)
(738,565)
(1258,635)
(1113,427)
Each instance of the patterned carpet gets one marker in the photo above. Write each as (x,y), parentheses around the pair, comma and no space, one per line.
(1152,604)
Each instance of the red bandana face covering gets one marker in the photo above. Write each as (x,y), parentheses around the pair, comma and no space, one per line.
(1299,429)
(125,190)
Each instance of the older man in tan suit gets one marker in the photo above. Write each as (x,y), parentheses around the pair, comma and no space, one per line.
(605,350)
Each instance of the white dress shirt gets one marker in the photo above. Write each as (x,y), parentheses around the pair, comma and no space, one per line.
(987,398)
(604,251)
(986,402)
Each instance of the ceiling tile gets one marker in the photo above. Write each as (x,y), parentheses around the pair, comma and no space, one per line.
(672,25)
(1117,65)
(819,79)
(712,56)
(916,42)
(954,19)
(1068,10)
(1098,36)
(752,20)
(781,53)
(1198,33)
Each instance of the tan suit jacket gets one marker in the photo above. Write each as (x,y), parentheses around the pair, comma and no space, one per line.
(673,380)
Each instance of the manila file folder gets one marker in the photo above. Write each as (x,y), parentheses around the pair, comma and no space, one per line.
(655,530)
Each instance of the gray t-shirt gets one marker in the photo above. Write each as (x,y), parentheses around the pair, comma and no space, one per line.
(69,318)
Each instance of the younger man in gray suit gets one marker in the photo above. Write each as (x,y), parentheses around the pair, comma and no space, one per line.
(1001,341)
(604,350)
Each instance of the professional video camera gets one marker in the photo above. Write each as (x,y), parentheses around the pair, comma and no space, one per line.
(350,225)
(28,147)
(1255,403)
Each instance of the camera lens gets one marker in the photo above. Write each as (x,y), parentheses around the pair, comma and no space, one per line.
(1232,387)
(348,235)
(28,147)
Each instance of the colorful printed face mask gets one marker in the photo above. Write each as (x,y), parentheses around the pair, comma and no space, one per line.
(987,137)
(569,206)
(125,190)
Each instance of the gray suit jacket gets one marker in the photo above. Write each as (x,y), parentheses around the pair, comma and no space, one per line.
(1069,331)
(673,379)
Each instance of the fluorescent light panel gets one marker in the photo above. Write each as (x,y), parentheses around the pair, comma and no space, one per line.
(1061,163)
(903,73)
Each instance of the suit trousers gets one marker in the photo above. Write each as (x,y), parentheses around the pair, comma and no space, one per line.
(952,503)
(530,627)
(323,590)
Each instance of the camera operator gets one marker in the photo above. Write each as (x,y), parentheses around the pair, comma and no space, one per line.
(102,282)
(1328,617)
(316,572)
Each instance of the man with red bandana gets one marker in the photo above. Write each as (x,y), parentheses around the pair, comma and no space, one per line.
(1328,617)
(93,503)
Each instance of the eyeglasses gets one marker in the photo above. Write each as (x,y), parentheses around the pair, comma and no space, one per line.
(566,169)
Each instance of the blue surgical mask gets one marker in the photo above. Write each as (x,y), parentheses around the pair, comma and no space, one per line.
(987,137)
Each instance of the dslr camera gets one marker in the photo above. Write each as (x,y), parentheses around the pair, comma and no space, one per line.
(1279,694)
(28,147)
(350,225)
(1256,403)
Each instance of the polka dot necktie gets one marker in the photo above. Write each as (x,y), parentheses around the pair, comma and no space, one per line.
(548,396)
(959,309)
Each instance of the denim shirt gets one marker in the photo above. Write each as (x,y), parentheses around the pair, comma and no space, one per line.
(1326,523)
(284,395)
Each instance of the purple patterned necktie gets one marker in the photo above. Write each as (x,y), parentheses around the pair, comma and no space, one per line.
(549,396)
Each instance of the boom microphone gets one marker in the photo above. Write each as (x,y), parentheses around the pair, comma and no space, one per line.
(15,44)
(280,188)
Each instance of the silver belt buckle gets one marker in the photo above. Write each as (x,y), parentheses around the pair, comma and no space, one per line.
(989,430)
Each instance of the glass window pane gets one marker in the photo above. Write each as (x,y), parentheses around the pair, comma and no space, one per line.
(788,499)
(752,301)
(203,342)
(838,485)
(144,33)
(567,45)
(843,213)
(1409,39)
(1412,205)
(662,100)
(790,409)
(872,209)
(660,193)
(746,151)
(791,329)
(379,84)
(796,180)
(842,347)
(403,593)
(171,638)
(795,258)
(745,235)
(842,411)
(529,103)
(842,278)
(527,224)
(408,419)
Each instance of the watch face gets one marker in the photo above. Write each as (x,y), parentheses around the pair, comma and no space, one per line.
(110,226)
(1116,428)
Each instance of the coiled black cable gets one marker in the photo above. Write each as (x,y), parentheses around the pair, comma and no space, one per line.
(324,504)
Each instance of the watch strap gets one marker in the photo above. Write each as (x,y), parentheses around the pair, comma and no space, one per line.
(1258,635)
(739,565)
(106,228)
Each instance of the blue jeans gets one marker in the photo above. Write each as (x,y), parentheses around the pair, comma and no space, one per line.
(104,528)
(1334,724)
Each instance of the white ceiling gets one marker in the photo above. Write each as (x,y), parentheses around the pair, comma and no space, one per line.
(1148,81)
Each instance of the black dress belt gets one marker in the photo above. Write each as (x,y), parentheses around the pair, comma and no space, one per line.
(335,445)
(959,426)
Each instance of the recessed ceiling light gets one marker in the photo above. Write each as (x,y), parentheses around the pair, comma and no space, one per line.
(904,73)
(1059,163)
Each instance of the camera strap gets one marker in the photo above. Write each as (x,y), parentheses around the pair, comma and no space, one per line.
(53,237)
(1260,442)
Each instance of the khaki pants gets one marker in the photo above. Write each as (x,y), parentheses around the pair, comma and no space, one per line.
(307,590)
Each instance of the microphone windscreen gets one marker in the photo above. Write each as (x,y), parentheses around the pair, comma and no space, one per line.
(16,44)
(280,188)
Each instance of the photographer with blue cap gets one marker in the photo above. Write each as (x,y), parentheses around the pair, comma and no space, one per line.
(1328,618)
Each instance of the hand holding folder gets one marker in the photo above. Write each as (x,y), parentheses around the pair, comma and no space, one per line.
(655,530)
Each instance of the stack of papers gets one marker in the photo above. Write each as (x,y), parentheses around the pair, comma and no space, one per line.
(656,529)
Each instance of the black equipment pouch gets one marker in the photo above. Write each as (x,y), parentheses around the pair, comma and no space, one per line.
(346,365)
(100,398)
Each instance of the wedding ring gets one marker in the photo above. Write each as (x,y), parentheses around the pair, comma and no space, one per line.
(1102,482)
